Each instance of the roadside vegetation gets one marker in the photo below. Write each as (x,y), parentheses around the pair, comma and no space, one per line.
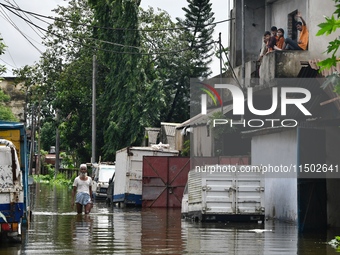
(330,26)
(59,179)
(144,61)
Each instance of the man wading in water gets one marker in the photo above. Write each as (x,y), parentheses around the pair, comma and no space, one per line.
(82,186)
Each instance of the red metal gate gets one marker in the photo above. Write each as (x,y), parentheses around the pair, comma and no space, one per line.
(164,179)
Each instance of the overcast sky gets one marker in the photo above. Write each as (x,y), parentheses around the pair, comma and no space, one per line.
(20,52)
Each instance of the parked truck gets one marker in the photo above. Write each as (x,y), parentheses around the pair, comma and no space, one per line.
(224,193)
(128,174)
(14,192)
(101,174)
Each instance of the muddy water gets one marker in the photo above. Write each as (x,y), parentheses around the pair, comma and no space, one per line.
(56,229)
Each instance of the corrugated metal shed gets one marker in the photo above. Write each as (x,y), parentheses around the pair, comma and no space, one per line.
(202,119)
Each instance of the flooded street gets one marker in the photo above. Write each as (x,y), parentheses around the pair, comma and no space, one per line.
(57,229)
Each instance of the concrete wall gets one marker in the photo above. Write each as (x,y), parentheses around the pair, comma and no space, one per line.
(281,64)
(203,142)
(312,14)
(280,193)
(17,102)
(318,44)
(254,29)
(333,202)
(262,14)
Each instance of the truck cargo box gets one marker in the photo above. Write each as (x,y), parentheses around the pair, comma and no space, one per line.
(224,193)
(128,175)
(14,191)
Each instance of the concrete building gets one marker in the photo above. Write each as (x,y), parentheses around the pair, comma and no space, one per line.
(18,97)
(309,200)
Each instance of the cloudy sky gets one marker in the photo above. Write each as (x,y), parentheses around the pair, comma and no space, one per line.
(24,45)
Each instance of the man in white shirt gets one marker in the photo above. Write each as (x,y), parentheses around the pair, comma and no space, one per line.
(82,189)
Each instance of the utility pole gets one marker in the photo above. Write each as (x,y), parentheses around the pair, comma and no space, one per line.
(57,144)
(93,158)
(243,44)
(32,141)
(220,49)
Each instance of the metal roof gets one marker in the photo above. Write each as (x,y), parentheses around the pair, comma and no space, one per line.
(202,119)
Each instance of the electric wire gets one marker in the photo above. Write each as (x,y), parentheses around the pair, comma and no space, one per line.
(10,55)
(95,48)
(6,17)
(8,63)
(110,28)
(40,35)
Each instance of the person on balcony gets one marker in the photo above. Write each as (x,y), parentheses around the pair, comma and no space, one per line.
(263,49)
(273,31)
(271,41)
(302,42)
(280,41)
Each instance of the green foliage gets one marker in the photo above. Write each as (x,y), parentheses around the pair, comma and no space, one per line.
(199,20)
(335,243)
(60,179)
(5,111)
(132,95)
(197,38)
(142,76)
(2,51)
(61,80)
(47,135)
(327,28)
(186,148)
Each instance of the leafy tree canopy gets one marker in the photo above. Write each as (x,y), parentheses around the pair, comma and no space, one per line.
(328,27)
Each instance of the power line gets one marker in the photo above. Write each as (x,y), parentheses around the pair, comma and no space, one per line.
(110,28)
(95,48)
(8,63)
(7,50)
(6,17)
(27,18)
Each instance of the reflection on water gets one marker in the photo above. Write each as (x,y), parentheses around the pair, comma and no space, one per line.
(57,229)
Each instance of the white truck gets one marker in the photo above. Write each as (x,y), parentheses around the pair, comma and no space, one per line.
(102,173)
(129,171)
(224,193)
(14,189)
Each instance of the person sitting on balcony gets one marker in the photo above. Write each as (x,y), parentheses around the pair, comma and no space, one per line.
(280,42)
(271,41)
(263,49)
(302,43)
(273,31)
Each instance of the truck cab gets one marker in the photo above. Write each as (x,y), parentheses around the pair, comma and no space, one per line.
(12,206)
(101,174)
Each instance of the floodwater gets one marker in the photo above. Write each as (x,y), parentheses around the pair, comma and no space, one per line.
(57,229)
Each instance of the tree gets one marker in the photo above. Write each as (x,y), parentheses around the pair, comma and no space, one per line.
(2,51)
(130,100)
(5,111)
(198,25)
(169,60)
(199,20)
(326,28)
(61,80)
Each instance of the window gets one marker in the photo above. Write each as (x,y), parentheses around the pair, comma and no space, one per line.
(292,31)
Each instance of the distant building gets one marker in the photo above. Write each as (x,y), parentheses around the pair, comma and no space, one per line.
(18,97)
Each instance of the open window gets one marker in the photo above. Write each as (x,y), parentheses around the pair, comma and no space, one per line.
(292,31)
